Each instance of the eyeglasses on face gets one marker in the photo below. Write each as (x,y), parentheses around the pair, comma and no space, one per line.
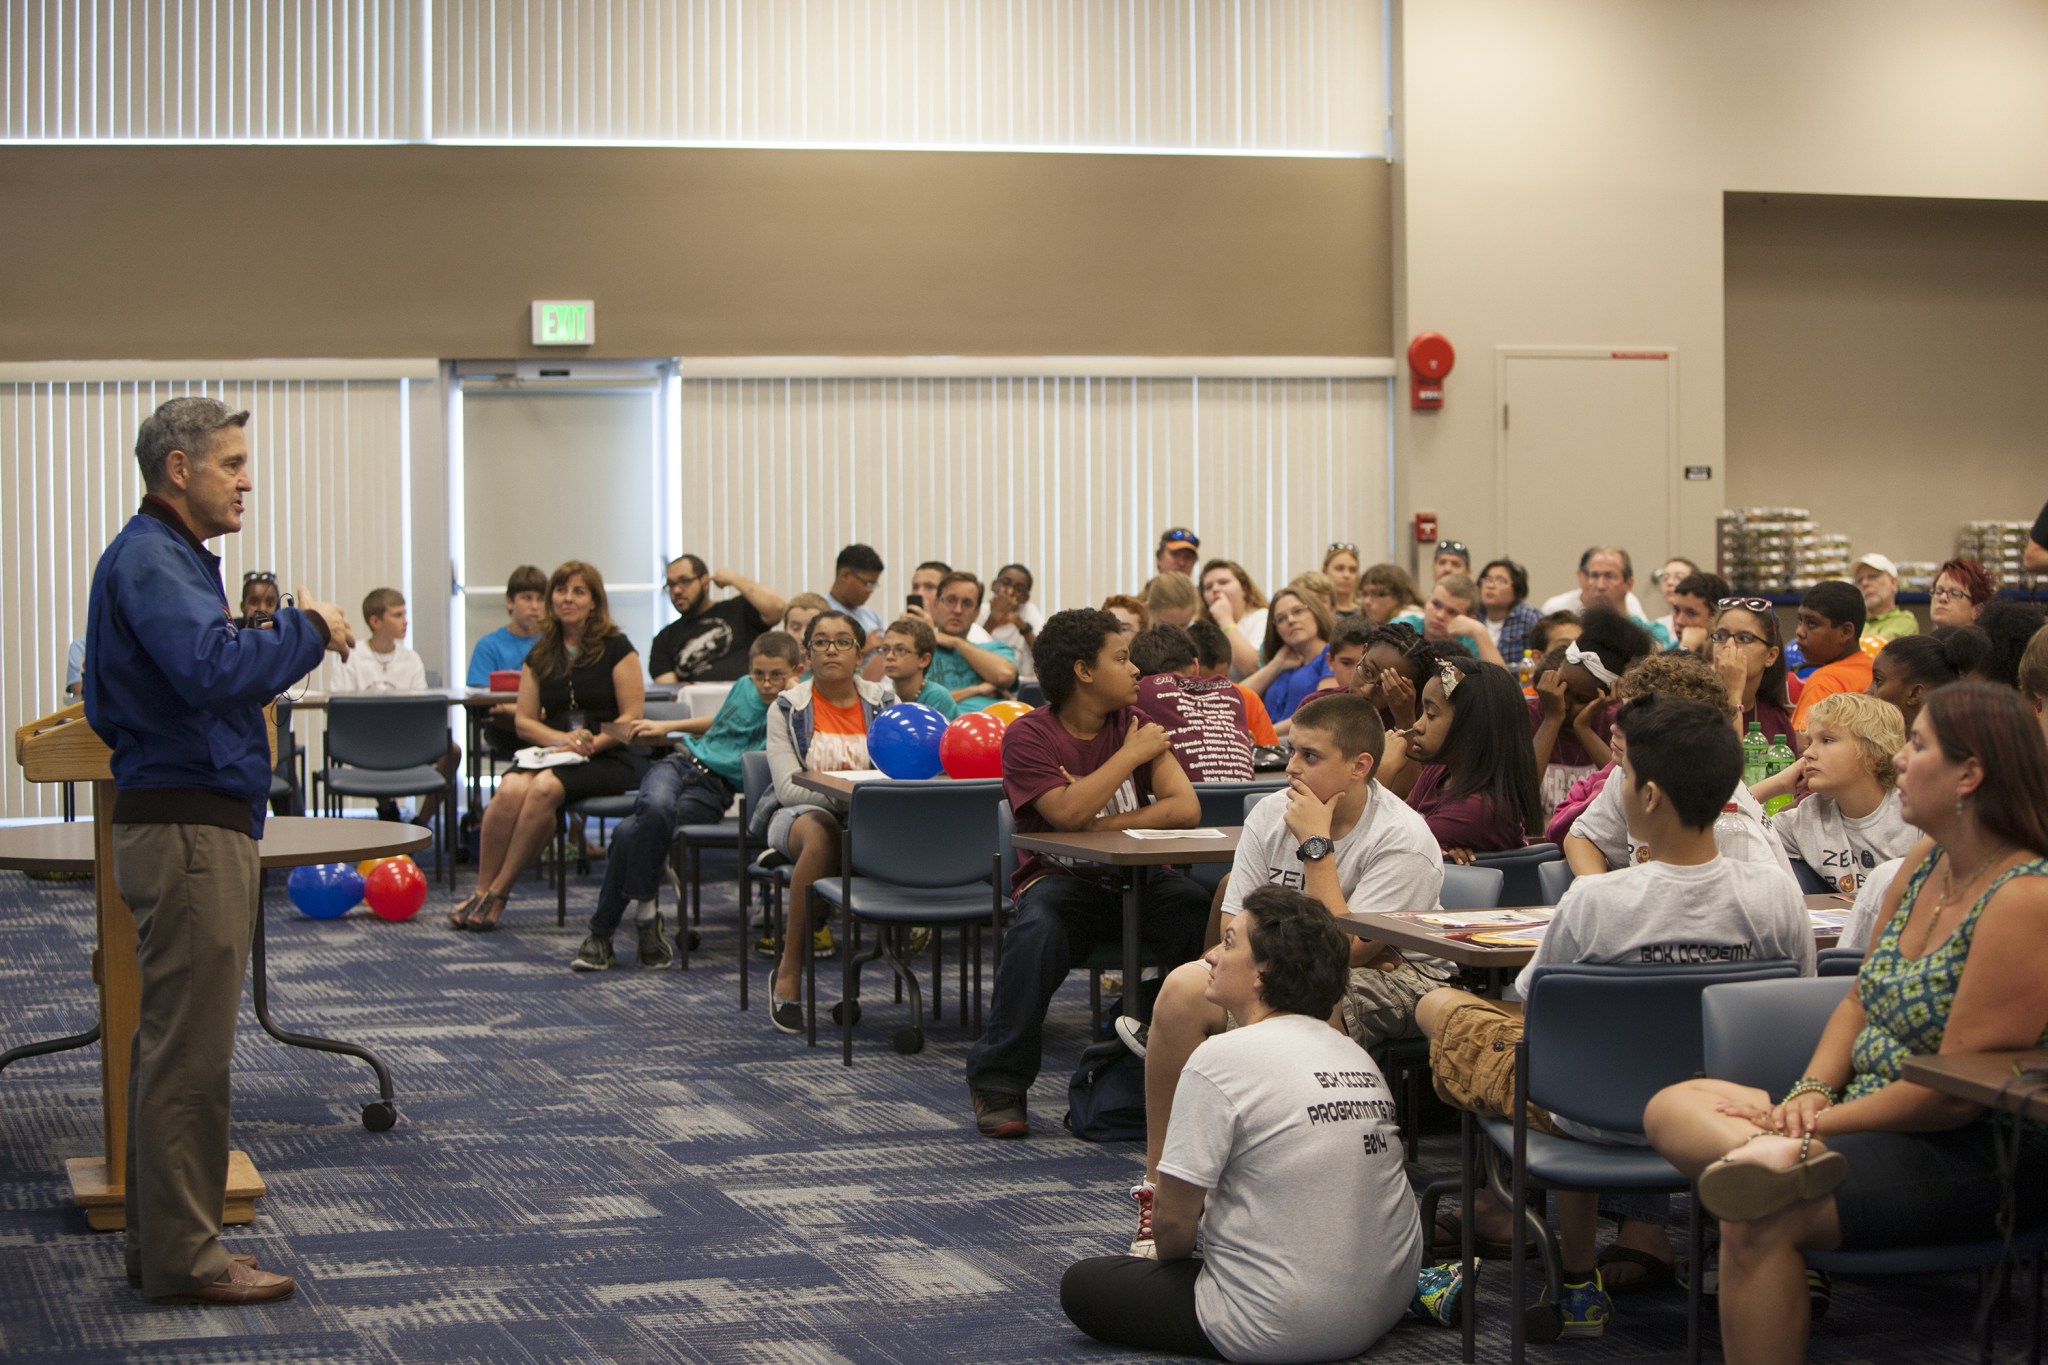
(1737,637)
(958,603)
(1948,594)
(832,644)
(683,582)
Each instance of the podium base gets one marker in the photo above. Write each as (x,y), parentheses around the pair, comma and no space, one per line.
(105,1209)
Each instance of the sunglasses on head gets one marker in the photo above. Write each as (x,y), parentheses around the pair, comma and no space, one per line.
(1181,533)
(1337,545)
(258,576)
(1452,547)
(1759,607)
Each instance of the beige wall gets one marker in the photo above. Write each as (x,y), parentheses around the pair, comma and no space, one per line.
(222,252)
(1561,168)
(1884,363)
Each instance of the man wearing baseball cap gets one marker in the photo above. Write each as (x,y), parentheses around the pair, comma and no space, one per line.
(1877,578)
(1178,550)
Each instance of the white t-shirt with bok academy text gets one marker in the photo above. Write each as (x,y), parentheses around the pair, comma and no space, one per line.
(1310,1234)
(1386,862)
(1841,850)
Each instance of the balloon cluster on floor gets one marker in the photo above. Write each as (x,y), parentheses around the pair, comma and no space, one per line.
(910,741)
(394,887)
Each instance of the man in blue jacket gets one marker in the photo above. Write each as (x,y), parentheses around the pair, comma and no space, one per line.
(177,692)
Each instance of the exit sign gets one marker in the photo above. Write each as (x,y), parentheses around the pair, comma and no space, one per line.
(564,322)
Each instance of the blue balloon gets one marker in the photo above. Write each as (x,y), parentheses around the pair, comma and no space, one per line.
(904,740)
(324,891)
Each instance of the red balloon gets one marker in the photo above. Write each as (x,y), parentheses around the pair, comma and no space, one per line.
(972,747)
(395,889)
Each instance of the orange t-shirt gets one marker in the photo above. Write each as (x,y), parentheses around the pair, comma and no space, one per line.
(1255,718)
(839,737)
(1850,674)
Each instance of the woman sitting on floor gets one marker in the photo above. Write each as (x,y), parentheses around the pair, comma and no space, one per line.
(581,674)
(1854,1156)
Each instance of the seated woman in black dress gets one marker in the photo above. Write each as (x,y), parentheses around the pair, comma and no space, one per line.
(582,673)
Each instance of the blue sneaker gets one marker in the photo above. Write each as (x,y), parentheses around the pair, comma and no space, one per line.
(1585,1307)
(1436,1293)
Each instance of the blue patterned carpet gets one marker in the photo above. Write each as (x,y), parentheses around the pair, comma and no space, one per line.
(624,1167)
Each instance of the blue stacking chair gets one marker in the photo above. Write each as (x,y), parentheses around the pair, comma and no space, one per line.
(774,881)
(1839,961)
(1763,1033)
(1521,867)
(385,747)
(1582,1056)
(1471,888)
(1551,880)
(913,853)
(1227,803)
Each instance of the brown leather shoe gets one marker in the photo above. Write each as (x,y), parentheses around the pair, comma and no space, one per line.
(135,1276)
(242,1284)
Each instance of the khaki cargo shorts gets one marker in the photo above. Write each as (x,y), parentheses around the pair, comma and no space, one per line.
(1472,1063)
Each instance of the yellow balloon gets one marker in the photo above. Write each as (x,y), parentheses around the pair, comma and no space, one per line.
(366,864)
(1873,645)
(1007,711)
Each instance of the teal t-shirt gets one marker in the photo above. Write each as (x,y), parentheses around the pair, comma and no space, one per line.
(739,728)
(938,698)
(952,672)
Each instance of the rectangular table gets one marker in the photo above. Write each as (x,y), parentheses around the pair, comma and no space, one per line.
(1980,1077)
(1119,848)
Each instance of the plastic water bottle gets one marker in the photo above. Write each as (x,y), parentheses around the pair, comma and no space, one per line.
(1728,829)
(1776,759)
(1754,746)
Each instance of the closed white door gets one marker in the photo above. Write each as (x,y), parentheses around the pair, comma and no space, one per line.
(553,474)
(1587,455)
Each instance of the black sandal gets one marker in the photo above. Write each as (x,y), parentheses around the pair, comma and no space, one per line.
(485,920)
(460,917)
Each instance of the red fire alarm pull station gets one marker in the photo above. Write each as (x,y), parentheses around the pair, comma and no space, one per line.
(1425,528)
(1430,358)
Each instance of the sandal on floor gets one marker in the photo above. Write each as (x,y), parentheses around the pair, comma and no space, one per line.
(1655,1273)
(460,916)
(1446,1245)
(485,919)
(1744,1191)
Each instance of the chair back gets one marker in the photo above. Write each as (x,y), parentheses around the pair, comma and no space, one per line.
(1551,880)
(1839,961)
(755,780)
(1763,1033)
(923,834)
(1604,1039)
(386,732)
(1006,847)
(1471,888)
(1520,865)
(433,677)
(1811,883)
(1226,803)
(666,710)
(1030,693)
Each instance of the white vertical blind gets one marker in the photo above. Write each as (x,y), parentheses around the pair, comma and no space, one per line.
(326,512)
(1160,75)
(1075,478)
(210,70)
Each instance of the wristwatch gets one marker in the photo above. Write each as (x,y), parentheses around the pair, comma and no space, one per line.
(1314,849)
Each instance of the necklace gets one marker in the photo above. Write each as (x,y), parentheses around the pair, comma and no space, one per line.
(1948,889)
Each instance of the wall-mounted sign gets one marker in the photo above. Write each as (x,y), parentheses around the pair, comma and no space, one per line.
(564,322)
(1699,473)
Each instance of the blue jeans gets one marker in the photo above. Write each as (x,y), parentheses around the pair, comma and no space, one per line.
(674,792)
(1061,920)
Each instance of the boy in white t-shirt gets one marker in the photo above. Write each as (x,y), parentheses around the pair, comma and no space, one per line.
(1284,1158)
(1347,842)
(384,665)
(1688,904)
(1848,821)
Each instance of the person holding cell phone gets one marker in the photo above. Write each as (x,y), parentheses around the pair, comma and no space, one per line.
(582,674)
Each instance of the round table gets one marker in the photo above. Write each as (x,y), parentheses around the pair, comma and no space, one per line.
(288,841)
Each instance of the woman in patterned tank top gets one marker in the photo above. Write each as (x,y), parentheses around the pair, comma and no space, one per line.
(1854,1156)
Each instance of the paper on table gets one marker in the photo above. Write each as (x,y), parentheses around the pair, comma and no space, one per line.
(1476,919)
(862,774)
(1175,833)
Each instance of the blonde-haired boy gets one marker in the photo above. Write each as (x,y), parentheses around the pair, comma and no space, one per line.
(1848,822)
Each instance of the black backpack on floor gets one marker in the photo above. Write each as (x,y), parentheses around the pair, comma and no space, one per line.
(1106,1098)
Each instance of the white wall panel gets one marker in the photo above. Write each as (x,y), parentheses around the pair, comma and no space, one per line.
(1072,477)
(327,512)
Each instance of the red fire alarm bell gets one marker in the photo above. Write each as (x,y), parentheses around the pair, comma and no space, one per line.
(1430,358)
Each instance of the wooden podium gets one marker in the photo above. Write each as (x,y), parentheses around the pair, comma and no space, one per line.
(61,747)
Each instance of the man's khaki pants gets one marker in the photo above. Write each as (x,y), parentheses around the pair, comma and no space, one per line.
(193,890)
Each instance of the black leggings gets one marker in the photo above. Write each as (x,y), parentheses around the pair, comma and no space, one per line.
(1136,1302)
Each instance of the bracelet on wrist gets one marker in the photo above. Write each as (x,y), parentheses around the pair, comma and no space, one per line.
(1811,1085)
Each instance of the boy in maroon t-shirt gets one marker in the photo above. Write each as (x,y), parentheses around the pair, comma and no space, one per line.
(1086,760)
